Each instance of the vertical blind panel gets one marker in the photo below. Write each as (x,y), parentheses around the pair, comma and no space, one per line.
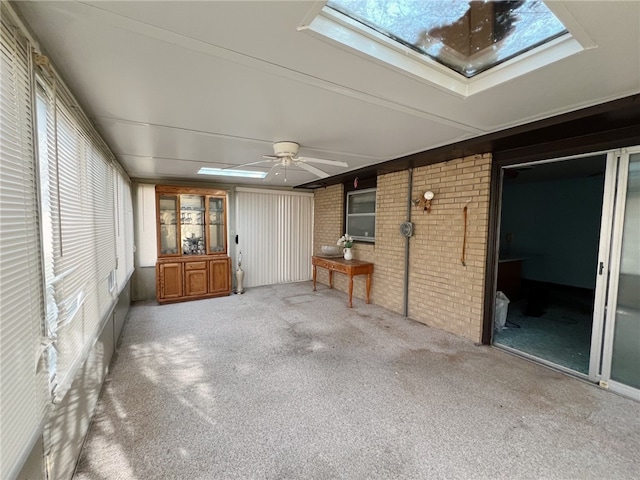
(23,389)
(275,236)
(146,225)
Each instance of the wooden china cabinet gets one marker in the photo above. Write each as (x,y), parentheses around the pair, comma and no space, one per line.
(192,244)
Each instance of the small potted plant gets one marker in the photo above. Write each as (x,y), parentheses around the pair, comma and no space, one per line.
(346,242)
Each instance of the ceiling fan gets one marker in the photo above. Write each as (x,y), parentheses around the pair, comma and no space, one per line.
(285,154)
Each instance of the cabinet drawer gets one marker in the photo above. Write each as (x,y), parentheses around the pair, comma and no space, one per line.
(195,265)
(340,268)
(322,263)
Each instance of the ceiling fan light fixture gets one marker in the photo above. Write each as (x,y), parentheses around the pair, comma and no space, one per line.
(285,149)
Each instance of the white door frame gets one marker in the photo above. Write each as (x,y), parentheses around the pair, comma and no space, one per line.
(607,268)
(617,229)
(603,266)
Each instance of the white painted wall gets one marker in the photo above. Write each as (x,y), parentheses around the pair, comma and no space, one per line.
(145,222)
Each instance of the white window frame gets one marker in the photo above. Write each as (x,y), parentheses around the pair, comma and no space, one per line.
(343,31)
(351,194)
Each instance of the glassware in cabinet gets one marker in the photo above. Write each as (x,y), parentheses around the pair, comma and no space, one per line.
(192,224)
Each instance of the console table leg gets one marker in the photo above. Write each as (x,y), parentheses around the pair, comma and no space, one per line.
(368,286)
(350,291)
(330,278)
(314,278)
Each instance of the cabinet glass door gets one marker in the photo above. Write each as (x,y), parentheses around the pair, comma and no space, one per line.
(192,224)
(168,206)
(216,225)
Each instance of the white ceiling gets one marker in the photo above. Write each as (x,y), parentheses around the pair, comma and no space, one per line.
(173,86)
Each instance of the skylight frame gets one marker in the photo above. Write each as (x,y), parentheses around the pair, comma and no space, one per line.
(519,39)
(220,172)
(346,33)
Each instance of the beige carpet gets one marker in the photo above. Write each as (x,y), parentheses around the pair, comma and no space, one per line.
(286,383)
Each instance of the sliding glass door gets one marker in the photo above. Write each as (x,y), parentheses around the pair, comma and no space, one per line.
(569,266)
(621,333)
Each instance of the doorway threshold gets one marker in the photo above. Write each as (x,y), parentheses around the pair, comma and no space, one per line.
(545,363)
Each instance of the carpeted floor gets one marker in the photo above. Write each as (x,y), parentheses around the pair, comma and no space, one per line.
(286,383)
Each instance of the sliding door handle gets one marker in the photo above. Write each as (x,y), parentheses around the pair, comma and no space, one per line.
(601,268)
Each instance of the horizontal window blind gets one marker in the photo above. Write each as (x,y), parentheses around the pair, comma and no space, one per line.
(23,394)
(124,230)
(79,201)
(275,232)
(128,228)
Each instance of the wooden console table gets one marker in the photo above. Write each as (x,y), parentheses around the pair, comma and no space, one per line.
(348,267)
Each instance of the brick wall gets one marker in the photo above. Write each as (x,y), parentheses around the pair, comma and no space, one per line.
(327,222)
(442,292)
(328,209)
(391,210)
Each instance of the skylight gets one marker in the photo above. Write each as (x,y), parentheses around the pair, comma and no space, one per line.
(231,173)
(468,37)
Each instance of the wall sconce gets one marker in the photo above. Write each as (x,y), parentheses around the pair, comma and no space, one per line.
(424,201)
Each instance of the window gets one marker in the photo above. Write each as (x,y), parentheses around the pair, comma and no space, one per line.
(468,37)
(87,227)
(361,215)
(450,43)
(57,242)
(124,230)
(23,390)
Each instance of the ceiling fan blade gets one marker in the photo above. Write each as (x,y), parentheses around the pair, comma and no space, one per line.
(272,173)
(270,157)
(316,171)
(245,164)
(322,160)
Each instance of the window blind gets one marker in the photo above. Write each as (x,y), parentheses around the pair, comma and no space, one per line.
(124,230)
(128,226)
(23,396)
(280,223)
(79,202)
